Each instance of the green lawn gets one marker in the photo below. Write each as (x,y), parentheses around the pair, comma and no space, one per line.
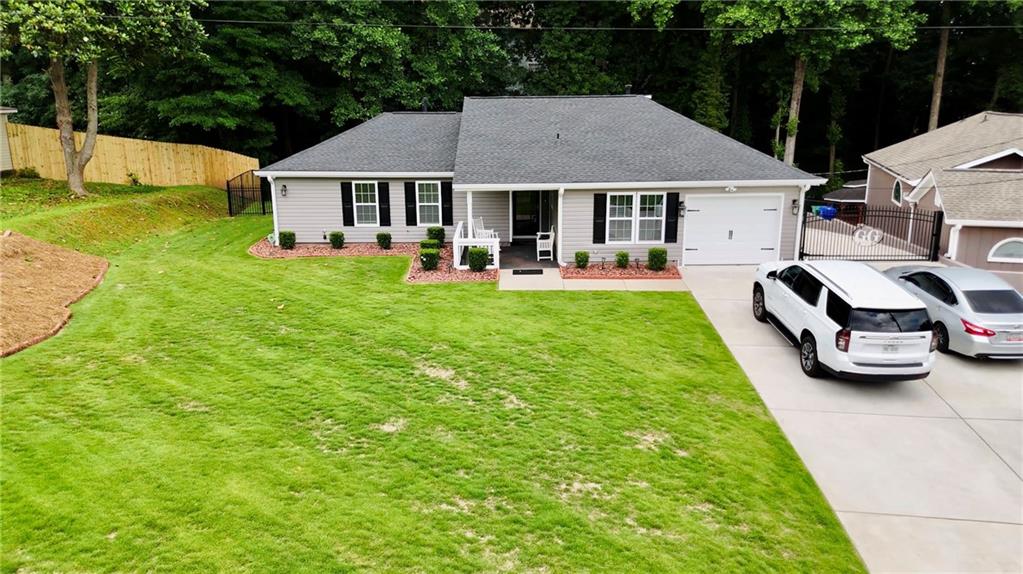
(209,411)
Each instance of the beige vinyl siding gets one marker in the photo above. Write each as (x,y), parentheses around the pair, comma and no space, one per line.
(5,146)
(879,188)
(976,242)
(313,206)
(493,207)
(577,232)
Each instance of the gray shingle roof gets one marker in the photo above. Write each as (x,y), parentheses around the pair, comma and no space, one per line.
(390,142)
(582,139)
(957,143)
(987,195)
(848,193)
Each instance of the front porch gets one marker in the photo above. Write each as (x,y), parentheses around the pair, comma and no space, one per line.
(509,224)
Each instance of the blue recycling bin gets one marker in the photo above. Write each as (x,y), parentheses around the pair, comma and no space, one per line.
(827,212)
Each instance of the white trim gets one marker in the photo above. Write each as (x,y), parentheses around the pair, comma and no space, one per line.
(902,194)
(440,209)
(985,223)
(868,161)
(273,204)
(468,213)
(992,157)
(560,233)
(631,218)
(799,221)
(663,218)
(636,218)
(843,200)
(511,214)
(781,220)
(953,242)
(626,185)
(992,259)
(927,183)
(356,204)
(358,174)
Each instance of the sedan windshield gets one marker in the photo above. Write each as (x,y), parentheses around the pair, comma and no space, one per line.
(886,321)
(995,301)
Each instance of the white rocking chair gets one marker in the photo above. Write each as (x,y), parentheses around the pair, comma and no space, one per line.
(545,243)
(481,232)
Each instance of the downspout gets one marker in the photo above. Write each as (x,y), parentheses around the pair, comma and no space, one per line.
(559,236)
(953,242)
(273,203)
(799,222)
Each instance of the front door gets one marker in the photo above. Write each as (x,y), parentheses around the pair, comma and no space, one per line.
(525,213)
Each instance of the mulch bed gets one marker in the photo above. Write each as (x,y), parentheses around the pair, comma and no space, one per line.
(612,272)
(38,282)
(444,273)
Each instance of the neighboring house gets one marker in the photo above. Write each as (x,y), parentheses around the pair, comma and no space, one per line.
(852,192)
(5,144)
(972,170)
(608,173)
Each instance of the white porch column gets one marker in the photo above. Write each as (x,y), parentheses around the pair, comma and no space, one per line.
(468,200)
(560,234)
(799,223)
(273,204)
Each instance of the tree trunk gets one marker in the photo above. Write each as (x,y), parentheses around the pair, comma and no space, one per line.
(92,115)
(75,160)
(880,96)
(797,96)
(831,160)
(939,69)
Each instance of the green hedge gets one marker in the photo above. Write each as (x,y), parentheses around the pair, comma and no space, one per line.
(384,240)
(582,259)
(429,244)
(622,259)
(429,257)
(436,233)
(478,258)
(337,239)
(657,258)
(286,239)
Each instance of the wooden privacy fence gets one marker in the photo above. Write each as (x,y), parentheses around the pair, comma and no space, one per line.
(154,163)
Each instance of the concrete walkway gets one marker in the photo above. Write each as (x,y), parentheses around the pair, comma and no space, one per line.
(926,476)
(551,280)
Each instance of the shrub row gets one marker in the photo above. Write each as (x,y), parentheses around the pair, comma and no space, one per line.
(657,259)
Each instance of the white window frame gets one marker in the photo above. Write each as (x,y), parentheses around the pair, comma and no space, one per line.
(440,210)
(636,218)
(356,204)
(991,258)
(902,192)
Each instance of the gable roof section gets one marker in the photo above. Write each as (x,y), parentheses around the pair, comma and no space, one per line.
(599,139)
(407,142)
(977,136)
(980,195)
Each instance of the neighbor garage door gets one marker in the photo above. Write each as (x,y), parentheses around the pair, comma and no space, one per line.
(731,229)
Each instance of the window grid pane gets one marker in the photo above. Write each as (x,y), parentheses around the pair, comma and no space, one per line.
(650,230)
(1010,250)
(651,206)
(620,230)
(429,214)
(366,214)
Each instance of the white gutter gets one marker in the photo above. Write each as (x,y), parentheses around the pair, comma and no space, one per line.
(561,228)
(953,242)
(358,174)
(912,182)
(637,185)
(273,205)
(984,223)
(799,222)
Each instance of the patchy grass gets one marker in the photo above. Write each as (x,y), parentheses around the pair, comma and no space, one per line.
(210,411)
(110,219)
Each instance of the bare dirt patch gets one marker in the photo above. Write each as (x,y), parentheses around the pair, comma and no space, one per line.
(392,426)
(442,373)
(609,271)
(648,440)
(38,282)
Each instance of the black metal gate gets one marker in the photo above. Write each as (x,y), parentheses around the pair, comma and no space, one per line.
(248,194)
(861,232)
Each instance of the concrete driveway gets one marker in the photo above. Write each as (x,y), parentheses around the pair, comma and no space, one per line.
(926,476)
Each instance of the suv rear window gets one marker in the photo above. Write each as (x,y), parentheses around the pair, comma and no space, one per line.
(838,310)
(888,321)
(995,301)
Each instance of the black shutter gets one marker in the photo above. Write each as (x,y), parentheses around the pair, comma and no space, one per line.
(347,211)
(384,202)
(671,219)
(599,217)
(446,218)
(410,203)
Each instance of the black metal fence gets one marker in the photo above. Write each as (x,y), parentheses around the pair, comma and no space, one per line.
(248,194)
(861,232)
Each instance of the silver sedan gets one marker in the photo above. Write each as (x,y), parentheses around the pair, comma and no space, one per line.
(974,312)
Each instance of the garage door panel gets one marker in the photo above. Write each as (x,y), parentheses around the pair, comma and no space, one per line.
(731,229)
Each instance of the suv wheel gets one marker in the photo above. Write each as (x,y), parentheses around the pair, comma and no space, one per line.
(759,308)
(808,357)
(942,334)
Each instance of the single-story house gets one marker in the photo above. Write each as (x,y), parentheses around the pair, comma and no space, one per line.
(972,171)
(606,173)
(854,191)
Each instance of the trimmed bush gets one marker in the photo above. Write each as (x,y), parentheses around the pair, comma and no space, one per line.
(384,240)
(429,244)
(337,239)
(429,257)
(286,239)
(622,259)
(478,258)
(657,259)
(582,259)
(436,233)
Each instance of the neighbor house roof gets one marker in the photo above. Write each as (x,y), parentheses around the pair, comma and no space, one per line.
(852,192)
(980,195)
(957,143)
(409,142)
(7,110)
(583,139)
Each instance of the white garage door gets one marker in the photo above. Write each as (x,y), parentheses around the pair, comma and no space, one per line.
(731,229)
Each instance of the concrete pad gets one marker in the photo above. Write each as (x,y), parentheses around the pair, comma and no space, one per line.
(655,285)
(550,280)
(910,544)
(734,321)
(904,465)
(720,282)
(780,382)
(1005,437)
(980,389)
(594,285)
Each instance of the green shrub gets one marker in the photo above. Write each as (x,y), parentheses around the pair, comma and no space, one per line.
(582,259)
(622,259)
(28,173)
(436,233)
(286,239)
(429,257)
(337,239)
(478,258)
(134,179)
(384,240)
(657,258)
(429,244)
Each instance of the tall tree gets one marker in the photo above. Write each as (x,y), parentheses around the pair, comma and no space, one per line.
(80,33)
(814,33)
(939,67)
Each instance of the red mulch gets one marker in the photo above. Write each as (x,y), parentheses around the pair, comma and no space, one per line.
(612,272)
(444,273)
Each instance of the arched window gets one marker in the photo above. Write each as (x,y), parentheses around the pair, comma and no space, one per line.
(897,193)
(1007,251)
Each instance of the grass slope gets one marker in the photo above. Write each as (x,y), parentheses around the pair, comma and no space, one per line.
(108,220)
(209,411)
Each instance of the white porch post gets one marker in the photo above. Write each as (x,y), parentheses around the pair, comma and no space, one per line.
(560,234)
(799,222)
(273,204)
(468,200)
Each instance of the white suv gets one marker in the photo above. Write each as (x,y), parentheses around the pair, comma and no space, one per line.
(847,319)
